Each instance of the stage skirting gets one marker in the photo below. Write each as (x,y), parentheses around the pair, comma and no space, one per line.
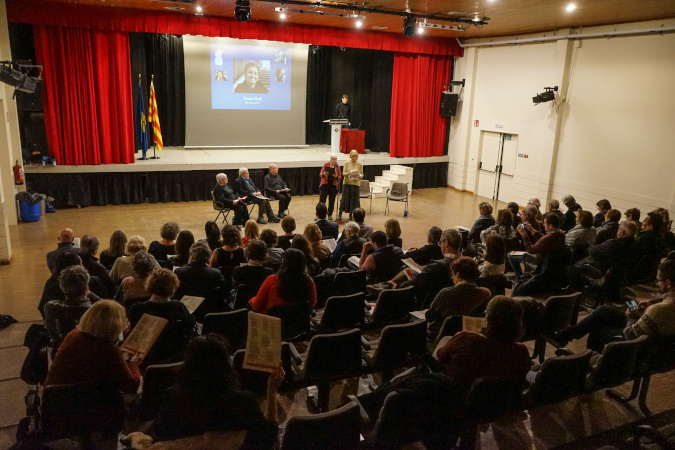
(123,188)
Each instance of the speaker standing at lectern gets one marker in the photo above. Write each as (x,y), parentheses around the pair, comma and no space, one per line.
(344,110)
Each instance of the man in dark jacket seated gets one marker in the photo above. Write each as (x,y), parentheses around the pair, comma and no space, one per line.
(329,230)
(609,227)
(380,261)
(66,245)
(430,252)
(88,249)
(276,187)
(244,187)
(62,316)
(196,275)
(572,207)
(650,247)
(352,245)
(227,198)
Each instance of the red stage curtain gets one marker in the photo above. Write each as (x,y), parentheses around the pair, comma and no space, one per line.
(417,127)
(124,19)
(86,95)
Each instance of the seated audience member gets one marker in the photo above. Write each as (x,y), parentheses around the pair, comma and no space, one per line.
(603,206)
(231,254)
(244,187)
(462,299)
(66,245)
(393,231)
(52,289)
(582,237)
(431,251)
(161,286)
(206,398)
(515,212)
(609,227)
(90,352)
(167,245)
(269,237)
(528,216)
(275,187)
(552,259)
(288,226)
(313,235)
(495,256)
(570,216)
(650,246)
(328,229)
(196,275)
(132,288)
(606,323)
(554,207)
(529,235)
(633,215)
(251,233)
(116,249)
(212,235)
(122,267)
(184,241)
(253,274)
(88,249)
(503,227)
(62,316)
(534,201)
(668,236)
(484,222)
(351,245)
(380,261)
(301,243)
(290,286)
(365,230)
(430,401)
(226,197)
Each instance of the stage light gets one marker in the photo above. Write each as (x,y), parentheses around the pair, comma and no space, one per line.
(409,25)
(358,24)
(10,76)
(199,9)
(420,29)
(282,16)
(546,96)
(242,12)
(571,7)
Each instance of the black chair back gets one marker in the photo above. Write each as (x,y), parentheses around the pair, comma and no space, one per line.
(616,365)
(496,284)
(255,381)
(169,345)
(214,301)
(343,313)
(334,430)
(231,325)
(398,342)
(158,378)
(244,293)
(348,283)
(561,311)
(559,379)
(345,258)
(333,356)
(491,397)
(295,320)
(450,327)
(394,305)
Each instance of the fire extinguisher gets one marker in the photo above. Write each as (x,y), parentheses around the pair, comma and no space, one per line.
(18,173)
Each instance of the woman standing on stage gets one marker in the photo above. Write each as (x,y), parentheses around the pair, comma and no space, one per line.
(330,182)
(350,187)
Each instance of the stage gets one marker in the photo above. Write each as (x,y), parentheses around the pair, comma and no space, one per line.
(189,174)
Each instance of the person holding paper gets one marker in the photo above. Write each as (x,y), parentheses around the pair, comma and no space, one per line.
(351,245)
(227,198)
(244,187)
(330,183)
(353,171)
(275,187)
(90,352)
(206,398)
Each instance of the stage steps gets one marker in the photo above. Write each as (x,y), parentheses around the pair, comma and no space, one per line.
(395,173)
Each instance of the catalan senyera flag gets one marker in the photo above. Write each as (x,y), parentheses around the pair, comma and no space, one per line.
(153,118)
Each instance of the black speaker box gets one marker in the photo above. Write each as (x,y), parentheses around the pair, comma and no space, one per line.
(449,104)
(30,102)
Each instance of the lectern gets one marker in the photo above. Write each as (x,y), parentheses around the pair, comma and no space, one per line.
(335,129)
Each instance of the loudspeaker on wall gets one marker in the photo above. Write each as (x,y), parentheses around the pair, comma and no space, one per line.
(449,104)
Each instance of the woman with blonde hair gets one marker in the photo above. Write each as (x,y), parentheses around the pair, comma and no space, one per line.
(313,234)
(118,244)
(122,267)
(393,231)
(353,172)
(90,352)
(251,233)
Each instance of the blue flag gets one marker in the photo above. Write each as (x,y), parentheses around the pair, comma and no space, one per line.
(142,121)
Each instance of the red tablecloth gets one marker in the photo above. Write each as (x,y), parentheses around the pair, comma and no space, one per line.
(352,139)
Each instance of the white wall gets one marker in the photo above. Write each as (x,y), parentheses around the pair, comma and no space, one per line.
(610,139)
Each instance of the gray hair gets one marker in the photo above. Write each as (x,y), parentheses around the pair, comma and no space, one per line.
(242,170)
(554,204)
(74,280)
(89,245)
(200,252)
(568,200)
(353,228)
(220,177)
(452,237)
(630,228)
(272,165)
(531,211)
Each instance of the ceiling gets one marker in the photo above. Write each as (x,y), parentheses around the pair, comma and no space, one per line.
(506,17)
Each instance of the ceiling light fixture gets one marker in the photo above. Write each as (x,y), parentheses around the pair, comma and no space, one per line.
(358,24)
(443,27)
(319,13)
(476,18)
(199,9)
(571,7)
(242,11)
(282,16)
(409,25)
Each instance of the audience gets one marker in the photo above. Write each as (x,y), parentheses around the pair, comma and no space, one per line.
(269,237)
(504,227)
(231,254)
(553,240)
(251,232)
(351,245)
(132,288)
(393,231)
(529,223)
(313,235)
(301,243)
(254,273)
(122,267)
(570,216)
(116,249)
(609,227)
(483,222)
(365,230)
(184,241)
(380,260)
(515,212)
(52,289)
(633,215)
(536,203)
(668,236)
(88,249)
(554,207)
(62,316)
(650,246)
(66,245)
(196,276)
(328,229)
(430,252)
(288,226)
(495,256)
(291,286)
(582,237)
(213,235)
(603,206)
(167,245)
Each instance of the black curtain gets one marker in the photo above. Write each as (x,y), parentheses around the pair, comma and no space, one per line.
(160,55)
(365,76)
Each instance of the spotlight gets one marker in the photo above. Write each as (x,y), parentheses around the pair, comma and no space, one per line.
(242,12)
(546,96)
(409,25)
(358,24)
(199,9)
(282,16)
(16,74)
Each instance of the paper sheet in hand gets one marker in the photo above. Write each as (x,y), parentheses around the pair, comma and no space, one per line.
(354,260)
(475,324)
(263,344)
(145,333)
(461,228)
(412,264)
(517,253)
(191,303)
(330,243)
(420,314)
(354,173)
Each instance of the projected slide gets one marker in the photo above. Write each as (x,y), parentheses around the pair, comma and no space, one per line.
(250,77)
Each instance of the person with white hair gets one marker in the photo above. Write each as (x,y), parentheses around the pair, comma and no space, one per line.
(276,187)
(225,197)
(330,183)
(534,201)
(573,209)
(351,245)
(244,187)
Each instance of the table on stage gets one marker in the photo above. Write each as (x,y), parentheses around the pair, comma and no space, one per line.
(352,139)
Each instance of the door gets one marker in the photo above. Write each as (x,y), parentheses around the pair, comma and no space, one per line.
(489,164)
(507,167)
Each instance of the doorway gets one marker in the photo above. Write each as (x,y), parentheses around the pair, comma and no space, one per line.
(498,153)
